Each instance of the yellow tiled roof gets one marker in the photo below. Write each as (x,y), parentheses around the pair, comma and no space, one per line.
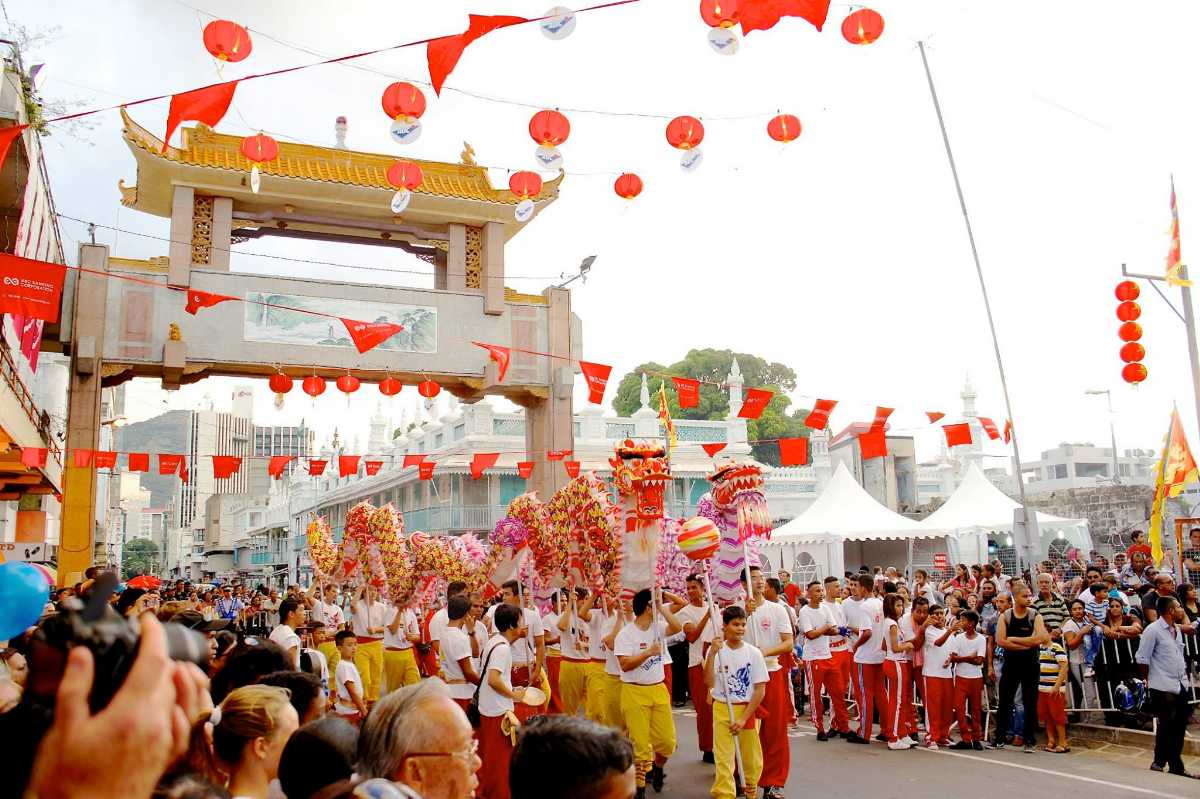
(204,147)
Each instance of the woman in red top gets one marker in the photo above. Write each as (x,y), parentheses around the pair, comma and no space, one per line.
(962,579)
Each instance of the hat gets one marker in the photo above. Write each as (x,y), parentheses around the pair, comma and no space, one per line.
(192,619)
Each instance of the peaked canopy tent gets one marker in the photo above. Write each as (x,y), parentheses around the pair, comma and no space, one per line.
(978,509)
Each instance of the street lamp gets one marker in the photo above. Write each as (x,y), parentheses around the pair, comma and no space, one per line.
(585,266)
(1116,475)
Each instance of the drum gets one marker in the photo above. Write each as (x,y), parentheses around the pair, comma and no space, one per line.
(533,703)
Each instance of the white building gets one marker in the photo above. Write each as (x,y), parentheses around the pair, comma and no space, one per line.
(1086,466)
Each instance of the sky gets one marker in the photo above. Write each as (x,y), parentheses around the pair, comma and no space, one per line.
(843,254)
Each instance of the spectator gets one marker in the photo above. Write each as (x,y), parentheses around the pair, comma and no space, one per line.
(291,616)
(194,620)
(1114,662)
(962,579)
(1138,543)
(188,786)
(1050,606)
(225,642)
(318,755)
(238,743)
(1020,632)
(1051,701)
(1134,574)
(1191,557)
(254,657)
(1160,660)
(1076,630)
(306,692)
(351,702)
(569,757)
(1164,586)
(1191,608)
(897,675)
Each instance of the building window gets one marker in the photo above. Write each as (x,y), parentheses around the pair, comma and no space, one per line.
(1057,471)
(460,430)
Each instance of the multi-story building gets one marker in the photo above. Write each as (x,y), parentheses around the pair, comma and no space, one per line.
(292,440)
(1085,466)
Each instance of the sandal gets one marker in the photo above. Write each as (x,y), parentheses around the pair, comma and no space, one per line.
(1062,750)
(1048,748)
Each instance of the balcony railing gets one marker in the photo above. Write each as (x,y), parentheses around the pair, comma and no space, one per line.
(271,555)
(42,423)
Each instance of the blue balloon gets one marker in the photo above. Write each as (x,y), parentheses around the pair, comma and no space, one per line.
(23,596)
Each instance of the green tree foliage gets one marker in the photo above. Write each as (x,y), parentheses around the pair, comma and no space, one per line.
(140,556)
(713,366)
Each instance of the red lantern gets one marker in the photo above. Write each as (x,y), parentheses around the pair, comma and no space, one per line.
(280,383)
(347,384)
(525,184)
(428,389)
(628,186)
(863,26)
(1132,352)
(784,128)
(313,386)
(260,148)
(719,13)
(549,128)
(405,175)
(403,100)
(685,133)
(1130,331)
(1134,373)
(226,40)
(1128,311)
(1128,291)
(390,386)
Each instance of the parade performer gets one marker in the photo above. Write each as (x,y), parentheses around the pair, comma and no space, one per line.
(610,693)
(820,630)
(399,660)
(897,675)
(744,684)
(496,702)
(574,645)
(458,669)
(553,651)
(528,652)
(599,624)
(368,616)
(640,475)
(839,648)
(769,628)
(699,629)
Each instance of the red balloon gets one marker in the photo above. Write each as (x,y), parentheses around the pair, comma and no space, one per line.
(280,383)
(1130,331)
(628,186)
(1134,373)
(405,175)
(226,40)
(1132,352)
(347,384)
(403,100)
(1128,311)
(428,389)
(1128,291)
(719,13)
(313,386)
(784,128)
(260,148)
(390,386)
(685,133)
(525,184)
(862,26)
(549,128)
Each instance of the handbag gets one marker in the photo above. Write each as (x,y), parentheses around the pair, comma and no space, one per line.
(473,706)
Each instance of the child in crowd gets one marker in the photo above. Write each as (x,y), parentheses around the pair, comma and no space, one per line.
(350,704)
(1097,609)
(967,652)
(735,671)
(938,677)
(1052,695)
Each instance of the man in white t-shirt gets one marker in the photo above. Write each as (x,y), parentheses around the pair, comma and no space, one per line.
(770,630)
(553,650)
(529,650)
(399,659)
(819,628)
(325,609)
(368,618)
(291,612)
(968,649)
(864,617)
(699,628)
(736,674)
(599,623)
(839,647)
(496,698)
(457,667)
(573,644)
(440,618)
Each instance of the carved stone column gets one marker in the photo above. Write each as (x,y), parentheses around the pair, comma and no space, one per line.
(550,424)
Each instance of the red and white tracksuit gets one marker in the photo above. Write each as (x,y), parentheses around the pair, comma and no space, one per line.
(968,694)
(939,706)
(868,693)
(897,688)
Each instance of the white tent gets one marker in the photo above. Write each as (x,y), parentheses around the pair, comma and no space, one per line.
(978,508)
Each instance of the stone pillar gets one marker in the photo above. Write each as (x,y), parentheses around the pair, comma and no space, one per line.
(456,261)
(180,251)
(549,423)
(492,268)
(440,258)
(739,432)
(83,414)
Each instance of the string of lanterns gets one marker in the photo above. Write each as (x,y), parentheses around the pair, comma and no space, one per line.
(1128,312)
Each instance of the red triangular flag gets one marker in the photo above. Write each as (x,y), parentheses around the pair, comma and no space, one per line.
(105,459)
(761,15)
(443,53)
(225,466)
(557,454)
(572,468)
(372,467)
(425,469)
(482,462)
(1007,431)
(139,461)
(957,434)
(412,460)
(169,464)
(347,465)
(368,335)
(793,451)
(205,105)
(83,458)
(756,400)
(818,417)
(989,427)
(197,299)
(277,464)
(881,416)
(596,375)
(33,457)
(525,469)
(873,443)
(687,391)
(500,355)
(316,467)
(713,449)
(934,416)
(7,137)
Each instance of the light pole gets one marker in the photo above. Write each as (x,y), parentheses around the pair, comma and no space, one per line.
(585,266)
(1112,432)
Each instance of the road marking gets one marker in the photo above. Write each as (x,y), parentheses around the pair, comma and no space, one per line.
(1107,783)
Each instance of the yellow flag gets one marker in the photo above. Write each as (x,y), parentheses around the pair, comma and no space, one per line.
(664,415)
(1175,470)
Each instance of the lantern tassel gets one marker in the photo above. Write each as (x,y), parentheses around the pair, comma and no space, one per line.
(255,179)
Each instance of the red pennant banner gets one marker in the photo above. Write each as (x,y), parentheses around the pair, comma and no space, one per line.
(183,471)
(557,454)
(596,375)
(873,443)
(7,137)
(482,462)
(957,434)
(688,391)
(83,458)
(205,105)
(881,416)
(712,449)
(316,468)
(372,467)
(169,464)
(34,457)
(761,15)
(818,417)
(104,459)
(793,451)
(989,427)
(139,461)
(225,466)
(935,416)
(525,469)
(1007,431)
(412,460)
(425,469)
(443,53)
(31,338)
(572,468)
(277,464)
(197,299)
(31,289)
(500,355)
(368,335)
(347,465)
(755,402)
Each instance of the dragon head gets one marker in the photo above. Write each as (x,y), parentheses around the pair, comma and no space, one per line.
(737,490)
(641,472)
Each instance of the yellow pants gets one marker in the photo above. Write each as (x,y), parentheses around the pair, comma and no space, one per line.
(330,651)
(596,682)
(752,760)
(647,713)
(399,669)
(613,717)
(572,685)
(368,658)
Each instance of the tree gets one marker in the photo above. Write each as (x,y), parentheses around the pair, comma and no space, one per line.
(140,556)
(713,366)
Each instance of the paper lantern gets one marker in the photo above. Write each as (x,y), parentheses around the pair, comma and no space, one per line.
(863,26)
(1130,331)
(1128,311)
(1134,373)
(428,389)
(404,104)
(1132,352)
(549,129)
(348,384)
(719,13)
(390,386)
(227,41)
(525,185)
(313,386)
(685,133)
(259,149)
(699,538)
(628,186)
(280,384)
(1128,291)
(406,177)
(784,128)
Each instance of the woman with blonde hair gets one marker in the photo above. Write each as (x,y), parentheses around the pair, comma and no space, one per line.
(239,742)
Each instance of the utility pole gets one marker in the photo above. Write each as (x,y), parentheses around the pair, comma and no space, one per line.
(1112,430)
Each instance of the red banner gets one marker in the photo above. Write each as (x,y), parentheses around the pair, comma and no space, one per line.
(818,418)
(755,402)
(525,469)
(203,299)
(32,289)
(104,459)
(34,457)
(205,105)
(989,427)
(793,451)
(557,454)
(873,443)
(425,469)
(139,461)
(225,466)
(957,434)
(501,355)
(169,464)
(316,468)
(277,464)
(372,467)
(761,15)
(935,416)
(881,416)
(712,449)
(347,465)
(482,462)
(412,460)
(572,468)
(688,391)
(368,335)
(596,375)
(82,458)
(443,53)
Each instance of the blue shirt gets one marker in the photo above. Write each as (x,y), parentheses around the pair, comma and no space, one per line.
(1161,649)
(228,608)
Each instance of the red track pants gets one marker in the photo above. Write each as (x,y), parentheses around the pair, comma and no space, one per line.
(828,675)
(704,708)
(939,707)
(897,688)
(773,732)
(968,691)
(495,750)
(868,693)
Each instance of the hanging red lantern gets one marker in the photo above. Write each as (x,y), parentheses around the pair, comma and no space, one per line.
(784,128)
(313,386)
(628,186)
(1128,291)
(1134,373)
(525,184)
(719,13)
(1128,311)
(428,389)
(406,177)
(1130,331)
(1132,352)
(549,128)
(280,383)
(259,149)
(390,386)
(403,101)
(348,384)
(863,26)
(226,40)
(685,133)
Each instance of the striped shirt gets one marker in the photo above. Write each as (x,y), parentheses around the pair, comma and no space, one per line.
(1050,658)
(1053,610)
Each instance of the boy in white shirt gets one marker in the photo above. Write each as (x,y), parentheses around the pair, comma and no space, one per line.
(864,616)
(368,620)
(736,674)
(350,704)
(573,645)
(291,611)
(458,669)
(770,629)
(496,701)
(399,659)
(967,657)
(938,677)
(818,627)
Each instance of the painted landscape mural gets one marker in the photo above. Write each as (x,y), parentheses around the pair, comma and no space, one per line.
(276,325)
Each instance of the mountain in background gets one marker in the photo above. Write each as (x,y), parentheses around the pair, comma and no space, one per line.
(164,433)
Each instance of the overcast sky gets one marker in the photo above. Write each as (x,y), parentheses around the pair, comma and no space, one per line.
(842,254)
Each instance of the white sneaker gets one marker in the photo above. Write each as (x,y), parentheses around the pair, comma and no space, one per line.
(902,743)
(932,745)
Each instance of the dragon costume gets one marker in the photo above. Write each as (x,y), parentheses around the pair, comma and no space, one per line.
(736,504)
